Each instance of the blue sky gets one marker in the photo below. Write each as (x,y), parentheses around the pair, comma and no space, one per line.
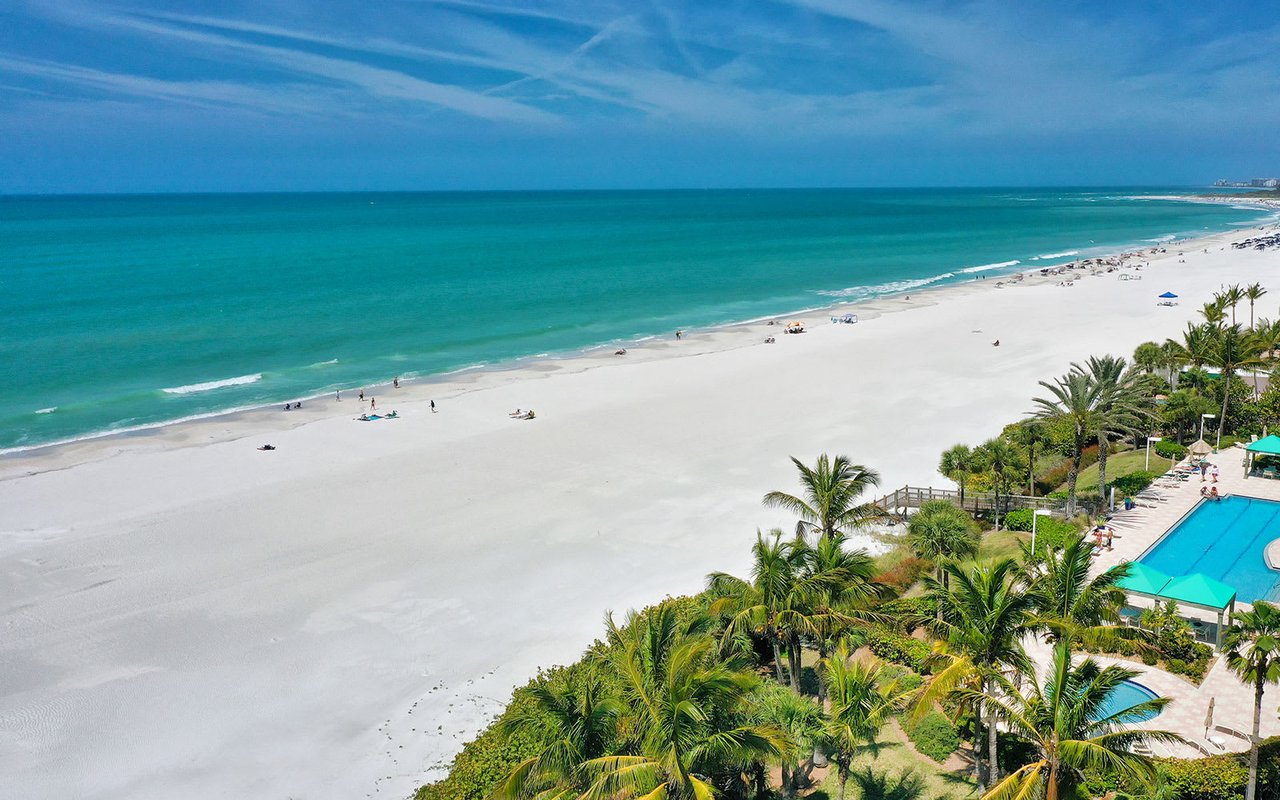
(457,94)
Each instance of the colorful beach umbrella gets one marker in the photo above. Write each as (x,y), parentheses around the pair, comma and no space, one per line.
(1168,295)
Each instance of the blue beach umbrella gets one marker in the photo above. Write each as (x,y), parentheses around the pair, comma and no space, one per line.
(1168,295)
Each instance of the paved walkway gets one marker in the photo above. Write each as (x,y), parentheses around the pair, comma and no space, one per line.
(1136,530)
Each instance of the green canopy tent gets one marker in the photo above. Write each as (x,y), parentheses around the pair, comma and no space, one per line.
(1143,580)
(1197,590)
(1202,591)
(1266,446)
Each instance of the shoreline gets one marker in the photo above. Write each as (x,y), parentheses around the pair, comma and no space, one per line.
(869,308)
(337,617)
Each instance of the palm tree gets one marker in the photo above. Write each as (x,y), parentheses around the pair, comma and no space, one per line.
(983,612)
(1147,357)
(836,591)
(939,530)
(958,464)
(1253,653)
(1004,463)
(1196,345)
(1117,406)
(1233,349)
(831,491)
(861,703)
(1073,399)
(1214,313)
(688,713)
(1072,606)
(1254,292)
(575,716)
(1232,297)
(762,605)
(1067,722)
(803,722)
(1030,434)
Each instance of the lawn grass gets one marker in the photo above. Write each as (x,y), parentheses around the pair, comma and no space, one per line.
(1001,544)
(1117,465)
(893,771)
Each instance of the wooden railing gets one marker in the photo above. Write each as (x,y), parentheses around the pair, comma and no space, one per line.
(913,496)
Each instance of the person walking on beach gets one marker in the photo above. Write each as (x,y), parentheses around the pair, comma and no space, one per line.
(433,406)
(396,382)
(337,395)
(362,395)
(373,403)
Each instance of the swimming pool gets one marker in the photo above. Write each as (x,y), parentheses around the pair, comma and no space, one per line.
(1128,695)
(1224,540)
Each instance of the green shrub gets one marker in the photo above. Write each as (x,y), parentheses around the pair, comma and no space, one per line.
(934,736)
(1133,483)
(1213,778)
(1168,448)
(907,613)
(898,648)
(905,573)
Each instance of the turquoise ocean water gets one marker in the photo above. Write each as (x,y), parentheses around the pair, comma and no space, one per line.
(127,311)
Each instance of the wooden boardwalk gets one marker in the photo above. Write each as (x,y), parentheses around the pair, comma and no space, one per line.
(898,501)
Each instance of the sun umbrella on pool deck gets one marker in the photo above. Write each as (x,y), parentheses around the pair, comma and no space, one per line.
(1168,296)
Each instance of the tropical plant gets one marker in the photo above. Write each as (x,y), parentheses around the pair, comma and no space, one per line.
(1233,349)
(1118,406)
(1254,293)
(1148,356)
(574,715)
(831,492)
(764,604)
(1002,462)
(959,464)
(804,724)
(1073,401)
(1066,720)
(983,612)
(836,590)
(1253,653)
(687,713)
(1231,297)
(861,703)
(1030,434)
(1069,604)
(1214,313)
(939,530)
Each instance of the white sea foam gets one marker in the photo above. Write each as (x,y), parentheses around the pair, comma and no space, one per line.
(48,410)
(885,288)
(1063,254)
(325,363)
(1168,237)
(986,267)
(211,385)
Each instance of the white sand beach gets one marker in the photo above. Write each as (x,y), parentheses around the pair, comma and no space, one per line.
(186,616)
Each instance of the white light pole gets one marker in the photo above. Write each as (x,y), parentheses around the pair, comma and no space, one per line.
(1039,512)
(1203,417)
(1150,439)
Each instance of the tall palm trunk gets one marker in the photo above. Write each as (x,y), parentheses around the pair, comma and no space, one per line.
(1104,444)
(1073,475)
(1251,791)
(993,743)
(777,658)
(793,661)
(823,652)
(844,779)
(1226,395)
(1031,469)
(978,771)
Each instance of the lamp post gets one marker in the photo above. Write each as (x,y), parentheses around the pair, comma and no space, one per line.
(1039,512)
(1150,439)
(1203,417)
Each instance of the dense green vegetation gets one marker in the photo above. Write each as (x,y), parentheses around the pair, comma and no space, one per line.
(803,675)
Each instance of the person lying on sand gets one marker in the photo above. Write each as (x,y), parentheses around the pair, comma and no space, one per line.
(996,343)
(267,447)
(529,415)
(515,413)
(622,352)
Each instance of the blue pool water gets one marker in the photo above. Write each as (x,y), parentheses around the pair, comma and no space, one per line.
(1128,695)
(1224,540)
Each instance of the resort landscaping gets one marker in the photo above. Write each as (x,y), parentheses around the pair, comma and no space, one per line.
(997,649)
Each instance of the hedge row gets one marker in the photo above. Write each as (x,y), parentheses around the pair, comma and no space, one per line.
(898,648)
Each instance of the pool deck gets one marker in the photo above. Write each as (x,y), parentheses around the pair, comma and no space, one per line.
(1135,532)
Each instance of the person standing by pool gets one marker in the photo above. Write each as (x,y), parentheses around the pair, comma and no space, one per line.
(1204,470)
(1214,473)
